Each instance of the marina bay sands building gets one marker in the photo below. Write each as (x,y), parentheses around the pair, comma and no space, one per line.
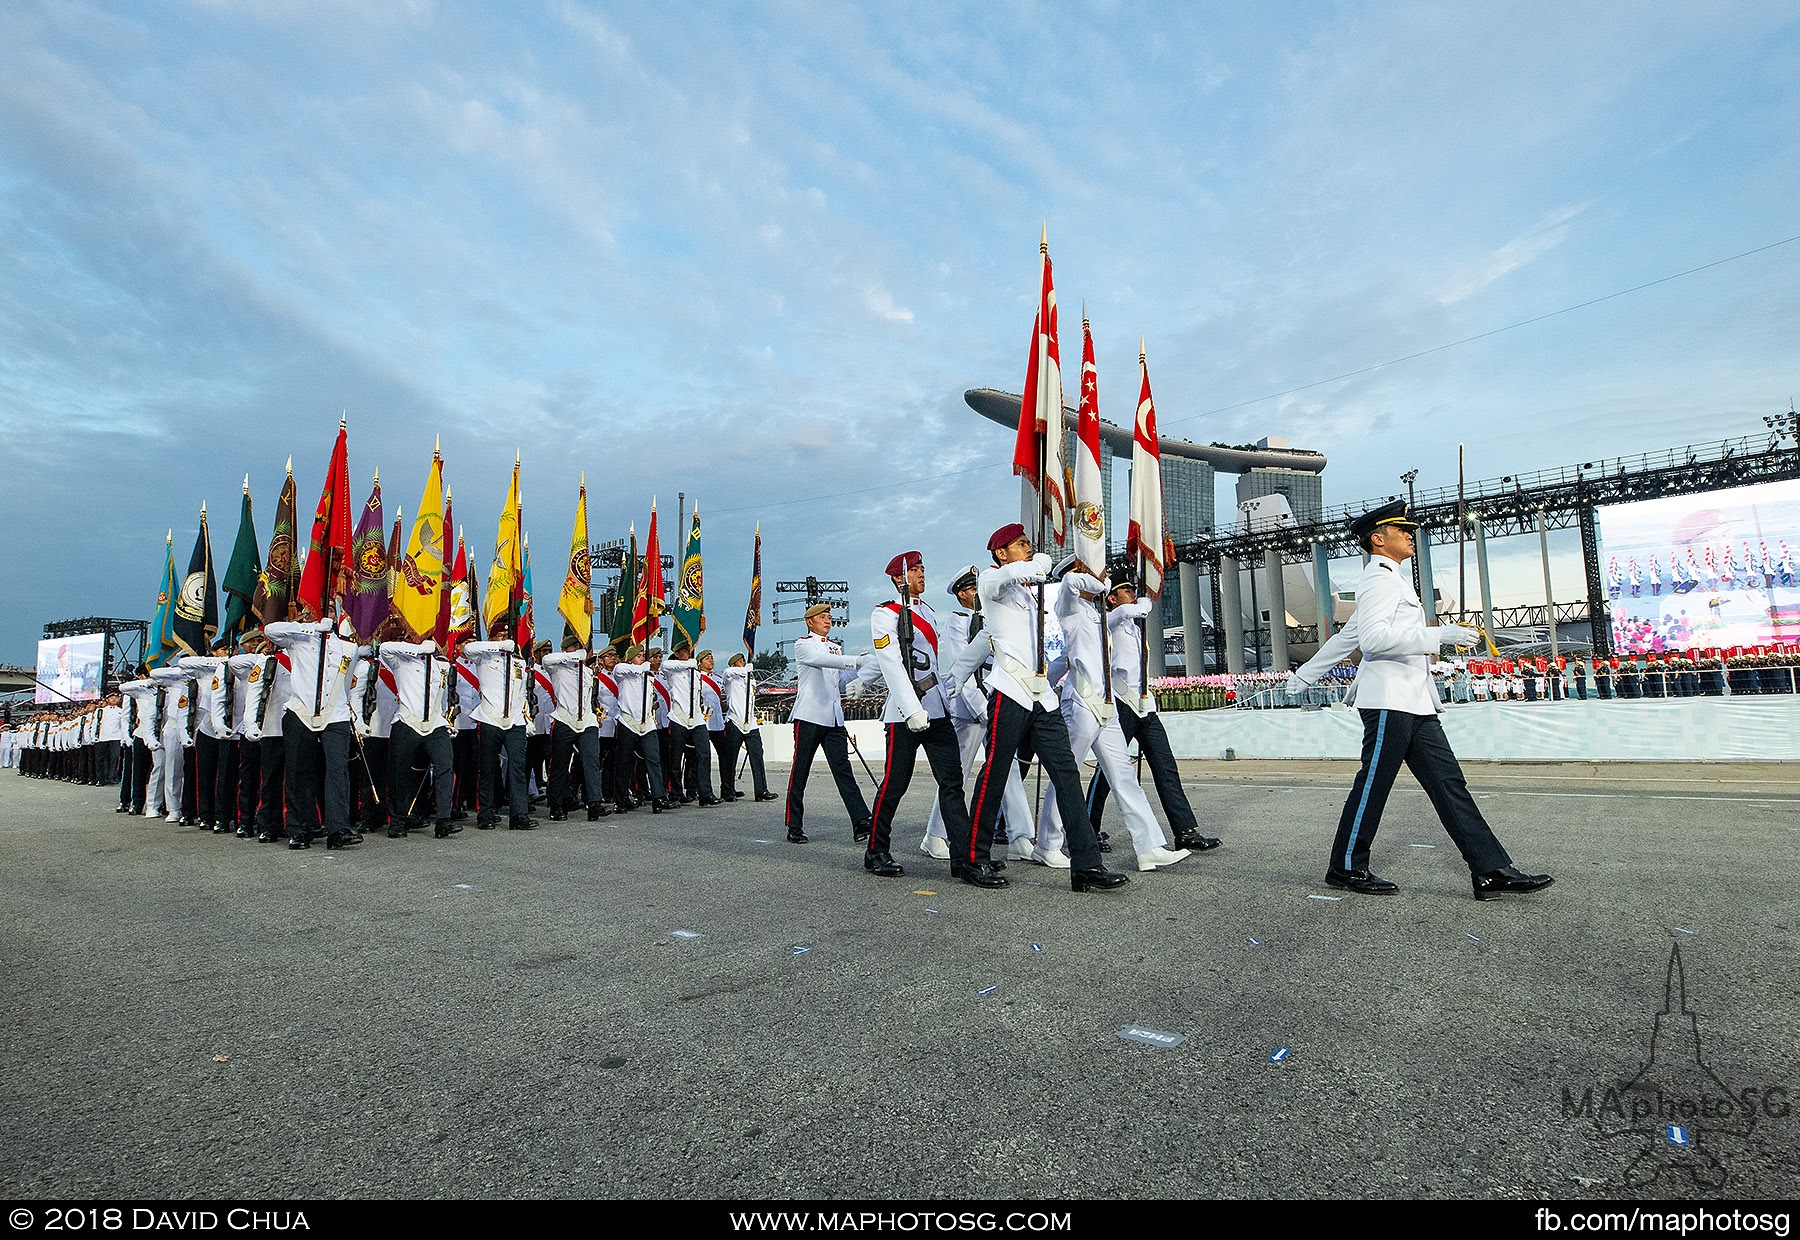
(1271,477)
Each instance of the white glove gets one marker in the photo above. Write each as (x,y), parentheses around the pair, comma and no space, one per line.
(1295,685)
(1457,635)
(918,721)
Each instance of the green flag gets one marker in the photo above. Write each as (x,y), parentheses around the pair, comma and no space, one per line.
(242,573)
(620,634)
(690,605)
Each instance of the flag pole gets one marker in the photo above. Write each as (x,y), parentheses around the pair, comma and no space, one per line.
(1043,662)
(1143,627)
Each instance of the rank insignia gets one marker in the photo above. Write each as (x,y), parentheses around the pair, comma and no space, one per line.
(881,642)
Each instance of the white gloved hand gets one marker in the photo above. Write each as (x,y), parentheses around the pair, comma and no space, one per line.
(918,721)
(1457,635)
(1295,685)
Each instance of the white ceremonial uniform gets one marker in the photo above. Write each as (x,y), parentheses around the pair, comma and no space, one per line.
(208,672)
(572,683)
(738,705)
(501,674)
(1009,606)
(177,708)
(421,684)
(606,702)
(681,677)
(147,730)
(320,666)
(1094,727)
(636,697)
(824,672)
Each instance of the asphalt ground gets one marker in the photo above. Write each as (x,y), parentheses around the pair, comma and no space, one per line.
(508,1014)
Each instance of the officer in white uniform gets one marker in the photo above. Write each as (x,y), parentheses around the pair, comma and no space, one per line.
(1021,706)
(917,711)
(145,702)
(742,729)
(176,712)
(1138,721)
(713,694)
(638,701)
(316,730)
(963,650)
(501,723)
(1093,725)
(575,728)
(825,670)
(422,696)
(687,718)
(1399,710)
(269,687)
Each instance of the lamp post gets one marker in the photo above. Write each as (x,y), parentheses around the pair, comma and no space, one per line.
(1419,584)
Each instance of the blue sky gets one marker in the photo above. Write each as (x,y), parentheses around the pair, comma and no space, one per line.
(756,252)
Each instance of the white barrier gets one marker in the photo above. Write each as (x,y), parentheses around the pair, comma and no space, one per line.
(1742,729)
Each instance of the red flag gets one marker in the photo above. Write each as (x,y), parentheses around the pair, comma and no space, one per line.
(452,573)
(651,600)
(1146,539)
(1040,435)
(326,577)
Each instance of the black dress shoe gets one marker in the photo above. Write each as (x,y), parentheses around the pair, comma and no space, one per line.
(1101,879)
(707,801)
(1359,880)
(245,833)
(298,842)
(797,837)
(343,839)
(459,814)
(623,807)
(765,796)
(485,824)
(445,829)
(977,876)
(883,865)
(1509,879)
(1193,841)
(860,831)
(396,832)
(657,807)
(123,809)
(1105,844)
(524,823)
(558,815)
(597,811)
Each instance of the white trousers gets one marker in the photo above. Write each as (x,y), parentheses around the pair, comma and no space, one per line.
(153,790)
(1107,744)
(1015,806)
(174,767)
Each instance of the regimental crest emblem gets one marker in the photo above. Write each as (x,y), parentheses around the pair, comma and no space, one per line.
(255,675)
(580,567)
(371,564)
(181,702)
(281,554)
(1088,519)
(690,582)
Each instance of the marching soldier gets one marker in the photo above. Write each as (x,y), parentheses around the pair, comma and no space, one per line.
(637,716)
(742,729)
(501,723)
(917,712)
(818,716)
(424,701)
(1138,720)
(575,729)
(316,730)
(1023,708)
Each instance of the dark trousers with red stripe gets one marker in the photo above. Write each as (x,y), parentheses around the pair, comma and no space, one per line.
(945,756)
(1009,725)
(809,738)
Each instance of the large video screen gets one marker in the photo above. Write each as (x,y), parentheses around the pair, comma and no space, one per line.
(68,668)
(1700,571)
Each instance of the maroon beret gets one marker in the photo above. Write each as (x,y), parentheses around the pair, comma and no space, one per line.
(898,566)
(1006,535)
